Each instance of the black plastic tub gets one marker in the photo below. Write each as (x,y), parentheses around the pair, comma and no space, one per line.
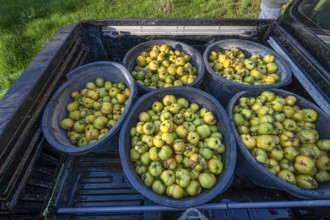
(247,166)
(224,89)
(56,111)
(229,156)
(196,59)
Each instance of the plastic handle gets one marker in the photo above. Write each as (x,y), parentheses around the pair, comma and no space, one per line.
(192,213)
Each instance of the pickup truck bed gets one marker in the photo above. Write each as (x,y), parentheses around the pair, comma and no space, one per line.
(36,181)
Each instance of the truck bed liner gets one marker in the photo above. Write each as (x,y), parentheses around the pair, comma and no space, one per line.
(35,180)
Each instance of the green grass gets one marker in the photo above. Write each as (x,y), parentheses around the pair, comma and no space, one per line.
(27,25)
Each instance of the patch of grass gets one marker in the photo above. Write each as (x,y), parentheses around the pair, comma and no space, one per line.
(166,6)
(246,8)
(27,25)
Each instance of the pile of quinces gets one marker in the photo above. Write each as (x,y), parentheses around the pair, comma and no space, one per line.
(235,66)
(163,67)
(283,138)
(176,147)
(94,111)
